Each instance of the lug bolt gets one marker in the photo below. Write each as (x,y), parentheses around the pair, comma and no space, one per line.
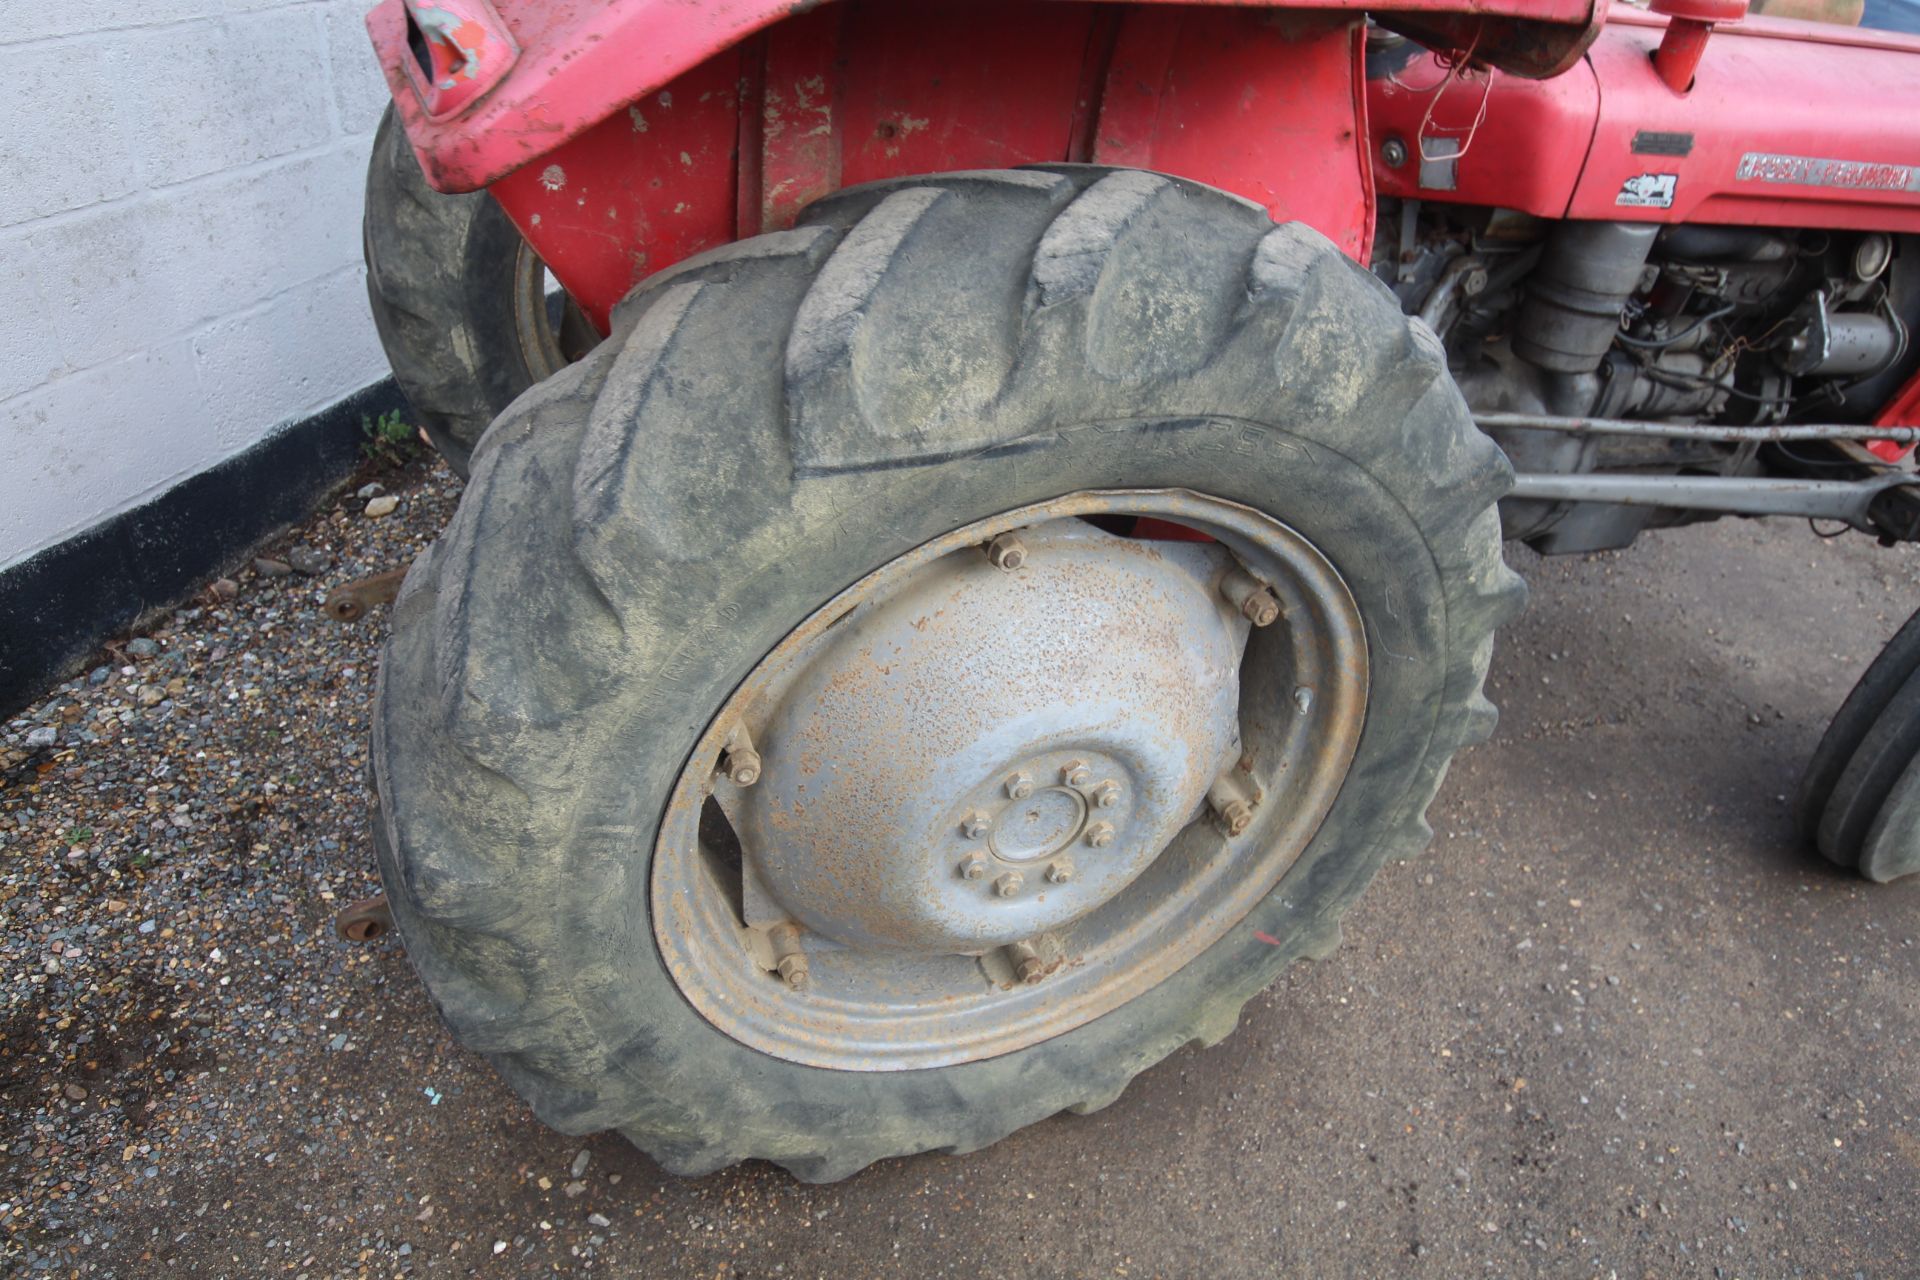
(741,762)
(1007,552)
(1107,795)
(1100,834)
(1303,699)
(1019,786)
(789,959)
(1060,872)
(1075,773)
(1235,816)
(975,825)
(1250,596)
(743,768)
(1009,884)
(1028,964)
(1232,804)
(973,867)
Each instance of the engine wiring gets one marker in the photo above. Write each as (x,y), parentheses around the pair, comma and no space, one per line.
(1660,344)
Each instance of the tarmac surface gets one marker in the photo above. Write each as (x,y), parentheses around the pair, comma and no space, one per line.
(1616,1022)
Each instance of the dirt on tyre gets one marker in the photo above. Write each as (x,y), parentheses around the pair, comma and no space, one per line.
(931,663)
(458,297)
(1859,801)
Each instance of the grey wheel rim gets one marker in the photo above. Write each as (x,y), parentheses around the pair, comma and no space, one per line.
(1009,780)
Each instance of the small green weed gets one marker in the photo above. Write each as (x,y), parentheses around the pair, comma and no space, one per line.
(389,440)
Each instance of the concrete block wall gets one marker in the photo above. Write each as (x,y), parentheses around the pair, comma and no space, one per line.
(180,275)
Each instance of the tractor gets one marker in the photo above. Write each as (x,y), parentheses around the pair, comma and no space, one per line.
(984,521)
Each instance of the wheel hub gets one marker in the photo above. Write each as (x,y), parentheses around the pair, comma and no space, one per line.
(993,753)
(1009,780)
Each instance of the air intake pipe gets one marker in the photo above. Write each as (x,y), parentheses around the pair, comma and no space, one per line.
(1574,298)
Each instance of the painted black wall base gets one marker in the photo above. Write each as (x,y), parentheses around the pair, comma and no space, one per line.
(57,607)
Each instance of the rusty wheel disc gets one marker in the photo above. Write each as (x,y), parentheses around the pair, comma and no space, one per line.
(1010,780)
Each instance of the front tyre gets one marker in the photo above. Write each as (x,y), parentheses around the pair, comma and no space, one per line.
(835,724)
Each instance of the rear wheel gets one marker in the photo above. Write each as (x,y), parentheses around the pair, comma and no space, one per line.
(466,311)
(835,724)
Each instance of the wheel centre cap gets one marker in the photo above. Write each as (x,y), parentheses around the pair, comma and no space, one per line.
(985,753)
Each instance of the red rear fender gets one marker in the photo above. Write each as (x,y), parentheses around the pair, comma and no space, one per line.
(624,135)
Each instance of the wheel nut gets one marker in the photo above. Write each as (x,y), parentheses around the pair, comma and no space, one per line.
(1009,884)
(1107,795)
(743,768)
(789,959)
(1029,964)
(975,825)
(1250,596)
(741,763)
(1233,801)
(1235,816)
(1019,786)
(1059,872)
(973,867)
(1100,834)
(1075,773)
(1007,552)
(1260,608)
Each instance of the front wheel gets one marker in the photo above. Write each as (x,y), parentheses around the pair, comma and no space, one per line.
(932,663)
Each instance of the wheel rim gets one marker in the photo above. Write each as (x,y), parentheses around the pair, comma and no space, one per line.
(979,799)
(548,341)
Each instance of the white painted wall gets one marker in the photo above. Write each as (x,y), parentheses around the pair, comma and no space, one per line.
(180,188)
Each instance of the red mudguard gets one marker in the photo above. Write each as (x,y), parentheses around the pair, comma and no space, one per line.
(624,135)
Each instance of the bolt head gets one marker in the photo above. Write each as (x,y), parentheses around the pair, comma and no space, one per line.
(1100,835)
(1019,786)
(1260,608)
(1303,699)
(743,768)
(1031,970)
(1007,552)
(1236,817)
(973,867)
(1075,773)
(1393,152)
(794,970)
(1009,884)
(975,825)
(1107,795)
(1059,872)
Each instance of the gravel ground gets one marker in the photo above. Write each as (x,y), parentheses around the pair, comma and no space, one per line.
(1614,1025)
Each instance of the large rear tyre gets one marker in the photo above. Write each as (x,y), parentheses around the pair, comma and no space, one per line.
(760,506)
(1854,792)
(459,298)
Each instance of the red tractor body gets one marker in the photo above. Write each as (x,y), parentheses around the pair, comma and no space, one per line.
(624,137)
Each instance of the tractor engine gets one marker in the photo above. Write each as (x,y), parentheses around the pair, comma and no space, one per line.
(1635,321)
